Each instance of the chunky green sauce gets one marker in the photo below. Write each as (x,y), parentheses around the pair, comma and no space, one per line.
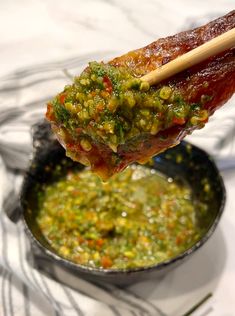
(107,104)
(138,218)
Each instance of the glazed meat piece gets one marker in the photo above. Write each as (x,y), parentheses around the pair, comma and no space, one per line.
(109,118)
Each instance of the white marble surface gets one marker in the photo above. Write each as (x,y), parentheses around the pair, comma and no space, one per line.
(38,31)
(34,31)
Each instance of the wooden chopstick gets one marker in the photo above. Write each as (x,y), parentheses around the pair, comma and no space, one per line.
(193,57)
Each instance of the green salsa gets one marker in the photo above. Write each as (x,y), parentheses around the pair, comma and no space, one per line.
(109,105)
(138,218)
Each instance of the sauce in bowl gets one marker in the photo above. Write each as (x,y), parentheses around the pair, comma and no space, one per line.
(138,218)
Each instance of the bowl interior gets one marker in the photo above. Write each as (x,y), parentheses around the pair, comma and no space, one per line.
(184,162)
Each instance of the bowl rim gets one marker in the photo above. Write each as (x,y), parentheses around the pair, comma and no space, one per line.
(104,272)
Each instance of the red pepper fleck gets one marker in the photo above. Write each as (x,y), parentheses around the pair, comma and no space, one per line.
(81,240)
(62,98)
(79,130)
(100,242)
(71,146)
(179,120)
(50,113)
(106,262)
(100,107)
(179,240)
(108,84)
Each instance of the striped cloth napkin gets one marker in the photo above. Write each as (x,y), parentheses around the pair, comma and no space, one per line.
(24,289)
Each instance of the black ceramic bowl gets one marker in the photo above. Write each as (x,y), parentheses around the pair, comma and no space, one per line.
(184,161)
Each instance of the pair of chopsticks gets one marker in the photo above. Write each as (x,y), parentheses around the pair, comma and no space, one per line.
(193,57)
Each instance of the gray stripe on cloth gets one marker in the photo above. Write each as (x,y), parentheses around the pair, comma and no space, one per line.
(45,67)
(26,300)
(7,274)
(133,313)
(92,290)
(10,294)
(157,309)
(20,150)
(123,296)
(115,310)
(73,302)
(15,112)
(4,244)
(58,308)
(43,288)
(29,84)
(35,103)
(36,286)
(3,295)
(22,261)
(9,115)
